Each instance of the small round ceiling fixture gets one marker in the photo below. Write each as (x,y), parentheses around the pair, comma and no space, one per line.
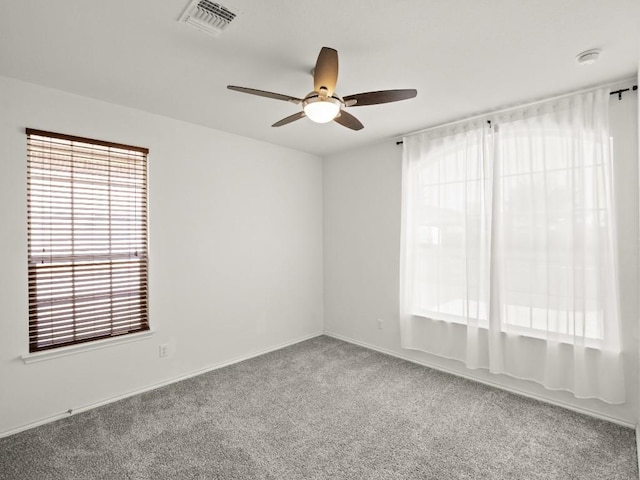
(589,57)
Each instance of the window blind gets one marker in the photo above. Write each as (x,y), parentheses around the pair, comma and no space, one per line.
(87,239)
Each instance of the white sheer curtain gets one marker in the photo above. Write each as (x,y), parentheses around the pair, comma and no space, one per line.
(508,246)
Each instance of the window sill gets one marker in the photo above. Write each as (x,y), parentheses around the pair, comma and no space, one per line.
(515,330)
(85,347)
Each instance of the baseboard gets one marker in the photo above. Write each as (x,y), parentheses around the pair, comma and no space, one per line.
(154,386)
(516,391)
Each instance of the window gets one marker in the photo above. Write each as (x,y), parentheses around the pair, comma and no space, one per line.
(513,223)
(448,221)
(87,239)
(554,230)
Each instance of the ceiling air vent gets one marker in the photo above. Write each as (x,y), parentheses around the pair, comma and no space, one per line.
(207,16)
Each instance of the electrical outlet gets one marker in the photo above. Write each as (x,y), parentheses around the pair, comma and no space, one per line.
(380,323)
(163,350)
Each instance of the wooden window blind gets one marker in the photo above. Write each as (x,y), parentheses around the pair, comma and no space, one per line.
(87,239)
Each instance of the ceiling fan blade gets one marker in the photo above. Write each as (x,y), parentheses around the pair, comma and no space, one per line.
(326,72)
(347,120)
(289,119)
(262,93)
(375,98)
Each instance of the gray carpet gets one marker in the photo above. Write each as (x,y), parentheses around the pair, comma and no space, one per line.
(323,409)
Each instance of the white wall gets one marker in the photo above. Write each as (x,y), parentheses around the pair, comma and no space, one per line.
(362,245)
(235,252)
(638,343)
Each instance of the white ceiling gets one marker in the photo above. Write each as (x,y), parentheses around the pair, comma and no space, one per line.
(463,56)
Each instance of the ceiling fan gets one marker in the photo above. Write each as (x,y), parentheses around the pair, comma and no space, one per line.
(322,104)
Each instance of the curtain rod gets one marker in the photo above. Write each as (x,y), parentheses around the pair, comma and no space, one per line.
(616,92)
(622,90)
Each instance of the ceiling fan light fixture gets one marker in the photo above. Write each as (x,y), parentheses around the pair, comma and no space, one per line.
(321,110)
